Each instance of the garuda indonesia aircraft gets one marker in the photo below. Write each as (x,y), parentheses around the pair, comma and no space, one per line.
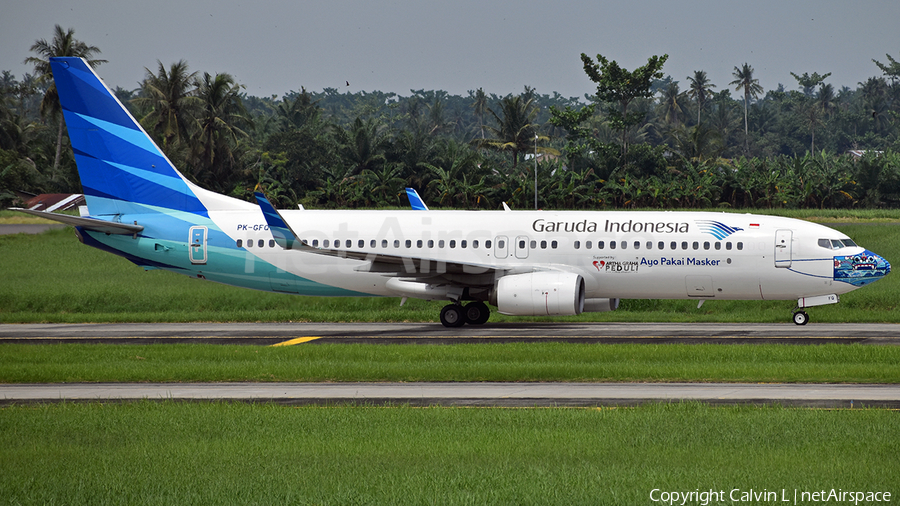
(523,262)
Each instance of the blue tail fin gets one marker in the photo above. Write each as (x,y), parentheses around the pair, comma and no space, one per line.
(122,170)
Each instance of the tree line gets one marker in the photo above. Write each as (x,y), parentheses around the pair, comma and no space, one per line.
(644,139)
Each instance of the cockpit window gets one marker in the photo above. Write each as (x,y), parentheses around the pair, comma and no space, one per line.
(836,243)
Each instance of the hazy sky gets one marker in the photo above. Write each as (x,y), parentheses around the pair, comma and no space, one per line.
(275,46)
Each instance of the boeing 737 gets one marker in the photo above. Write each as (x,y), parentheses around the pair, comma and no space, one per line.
(139,206)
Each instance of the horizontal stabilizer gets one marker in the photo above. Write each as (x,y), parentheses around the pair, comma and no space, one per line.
(107,227)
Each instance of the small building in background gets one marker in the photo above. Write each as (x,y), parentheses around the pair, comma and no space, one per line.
(52,202)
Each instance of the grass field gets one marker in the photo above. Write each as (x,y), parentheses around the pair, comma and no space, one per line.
(171,453)
(52,278)
(470,362)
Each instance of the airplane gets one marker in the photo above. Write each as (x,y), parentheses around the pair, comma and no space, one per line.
(525,263)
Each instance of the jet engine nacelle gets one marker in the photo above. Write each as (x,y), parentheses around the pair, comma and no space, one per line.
(540,294)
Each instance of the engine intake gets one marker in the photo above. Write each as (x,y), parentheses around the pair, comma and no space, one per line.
(540,294)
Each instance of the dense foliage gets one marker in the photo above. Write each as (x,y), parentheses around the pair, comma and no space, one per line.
(809,147)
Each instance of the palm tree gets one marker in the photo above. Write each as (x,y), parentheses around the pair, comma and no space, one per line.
(362,145)
(672,103)
(744,80)
(63,44)
(170,97)
(480,105)
(701,89)
(217,128)
(515,130)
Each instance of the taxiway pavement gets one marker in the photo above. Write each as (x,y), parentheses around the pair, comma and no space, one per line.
(435,333)
(466,394)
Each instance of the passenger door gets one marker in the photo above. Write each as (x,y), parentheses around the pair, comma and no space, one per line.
(783,248)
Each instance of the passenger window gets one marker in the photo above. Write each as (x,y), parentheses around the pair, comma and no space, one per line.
(718,245)
(673,245)
(696,245)
(649,244)
(683,244)
(624,245)
(271,243)
(462,244)
(325,243)
(409,243)
(419,243)
(543,244)
(315,243)
(612,244)
(587,244)
(500,244)
(601,245)
(361,244)
(553,244)
(372,243)
(533,244)
(706,245)
(240,243)
(577,244)
(475,244)
(487,244)
(740,246)
(728,246)
(349,243)
(441,243)
(384,243)
(452,243)
(661,245)
(637,244)
(522,244)
(396,243)
(430,243)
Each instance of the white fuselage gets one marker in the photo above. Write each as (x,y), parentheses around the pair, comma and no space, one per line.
(669,255)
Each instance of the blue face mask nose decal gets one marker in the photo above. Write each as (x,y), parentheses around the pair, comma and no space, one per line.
(861,269)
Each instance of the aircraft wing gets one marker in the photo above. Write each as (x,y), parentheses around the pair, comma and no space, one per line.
(406,266)
(107,227)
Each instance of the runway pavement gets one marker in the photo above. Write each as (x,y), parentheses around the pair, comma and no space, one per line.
(435,333)
(467,394)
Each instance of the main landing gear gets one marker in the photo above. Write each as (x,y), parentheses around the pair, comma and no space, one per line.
(474,313)
(801,318)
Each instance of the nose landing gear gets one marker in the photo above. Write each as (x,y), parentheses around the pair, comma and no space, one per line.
(801,318)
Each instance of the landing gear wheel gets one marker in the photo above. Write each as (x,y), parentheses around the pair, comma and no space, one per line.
(452,315)
(477,313)
(801,318)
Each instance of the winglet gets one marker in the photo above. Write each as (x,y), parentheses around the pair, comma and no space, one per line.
(281,231)
(415,200)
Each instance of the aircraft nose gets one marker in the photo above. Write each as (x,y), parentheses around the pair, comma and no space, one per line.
(860,269)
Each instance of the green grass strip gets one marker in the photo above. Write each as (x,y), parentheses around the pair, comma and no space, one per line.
(480,362)
(170,453)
